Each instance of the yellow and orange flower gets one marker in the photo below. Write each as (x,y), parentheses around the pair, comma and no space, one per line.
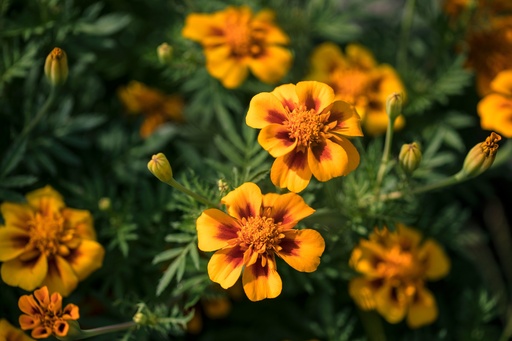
(255,229)
(357,79)
(44,242)
(10,333)
(44,315)
(156,106)
(394,268)
(236,41)
(306,130)
(495,109)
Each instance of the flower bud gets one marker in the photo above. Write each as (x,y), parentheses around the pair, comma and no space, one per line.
(481,156)
(410,157)
(164,52)
(104,204)
(56,67)
(394,105)
(160,167)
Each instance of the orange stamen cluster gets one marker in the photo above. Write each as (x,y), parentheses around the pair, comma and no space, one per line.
(50,236)
(261,234)
(305,126)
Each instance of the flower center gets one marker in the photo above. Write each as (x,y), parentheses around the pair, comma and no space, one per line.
(490,145)
(349,84)
(261,234)
(400,264)
(305,126)
(48,234)
(242,40)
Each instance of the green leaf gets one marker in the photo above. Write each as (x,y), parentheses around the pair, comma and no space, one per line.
(179,238)
(12,157)
(167,254)
(105,25)
(169,274)
(18,181)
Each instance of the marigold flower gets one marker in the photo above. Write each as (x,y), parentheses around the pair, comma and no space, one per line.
(44,315)
(256,229)
(306,131)
(10,333)
(481,156)
(495,109)
(46,243)
(394,268)
(56,66)
(236,41)
(357,79)
(157,107)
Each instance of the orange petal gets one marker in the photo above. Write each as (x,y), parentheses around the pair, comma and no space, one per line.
(327,160)
(17,215)
(265,109)
(46,200)
(360,56)
(423,310)
(275,139)
(221,65)
(272,64)
(291,171)
(325,58)
(70,312)
(437,263)
(244,202)
(287,209)
(315,95)
(348,121)
(262,282)
(60,278)
(86,259)
(60,328)
(495,113)
(362,291)
(391,302)
(41,332)
(43,295)
(215,229)
(503,83)
(198,26)
(26,275)
(287,95)
(225,266)
(29,305)
(409,238)
(82,221)
(12,242)
(302,249)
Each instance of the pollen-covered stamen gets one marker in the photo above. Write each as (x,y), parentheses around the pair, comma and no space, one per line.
(242,41)
(48,234)
(261,234)
(305,126)
(400,264)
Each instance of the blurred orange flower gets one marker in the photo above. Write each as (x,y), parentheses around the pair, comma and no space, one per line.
(357,79)
(306,130)
(10,333)
(156,106)
(44,314)
(394,268)
(495,109)
(44,242)
(236,41)
(256,229)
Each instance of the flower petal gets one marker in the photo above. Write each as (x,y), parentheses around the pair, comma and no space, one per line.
(215,229)
(360,56)
(287,95)
(423,309)
(29,305)
(291,171)
(495,113)
(348,121)
(26,275)
(275,139)
(16,215)
(325,58)
(12,242)
(315,95)
(362,291)
(226,265)
(230,71)
(391,302)
(199,26)
(46,200)
(262,282)
(502,83)
(302,249)
(86,259)
(328,160)
(60,278)
(287,209)
(272,64)
(437,263)
(82,221)
(265,109)
(244,202)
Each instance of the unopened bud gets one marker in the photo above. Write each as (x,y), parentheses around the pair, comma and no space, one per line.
(164,52)
(394,105)
(410,157)
(160,167)
(481,156)
(140,318)
(104,204)
(56,66)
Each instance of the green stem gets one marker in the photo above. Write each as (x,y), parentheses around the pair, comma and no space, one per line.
(372,325)
(104,330)
(40,114)
(188,192)
(407,19)
(452,180)
(385,156)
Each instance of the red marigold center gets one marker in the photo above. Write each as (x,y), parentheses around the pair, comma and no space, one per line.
(261,234)
(305,126)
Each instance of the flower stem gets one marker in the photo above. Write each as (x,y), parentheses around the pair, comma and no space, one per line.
(188,192)
(385,156)
(404,35)
(452,180)
(104,330)
(40,114)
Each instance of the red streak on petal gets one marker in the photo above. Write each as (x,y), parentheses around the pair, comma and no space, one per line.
(297,160)
(290,247)
(275,117)
(225,232)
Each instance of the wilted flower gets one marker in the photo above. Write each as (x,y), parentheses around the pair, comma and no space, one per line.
(306,130)
(394,267)
(410,157)
(44,315)
(160,167)
(10,333)
(44,242)
(357,79)
(157,107)
(481,156)
(56,66)
(236,41)
(256,229)
(495,109)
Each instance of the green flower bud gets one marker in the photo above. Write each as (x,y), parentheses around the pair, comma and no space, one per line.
(160,167)
(56,67)
(481,156)
(410,157)
(394,105)
(164,52)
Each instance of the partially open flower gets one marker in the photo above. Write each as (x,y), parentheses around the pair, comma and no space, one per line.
(481,156)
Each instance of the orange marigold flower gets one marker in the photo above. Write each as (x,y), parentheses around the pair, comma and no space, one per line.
(44,314)
(495,109)
(357,79)
(44,242)
(256,228)
(156,106)
(394,268)
(236,41)
(10,333)
(306,131)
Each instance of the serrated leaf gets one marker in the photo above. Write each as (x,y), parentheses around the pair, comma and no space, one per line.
(194,255)
(452,139)
(167,254)
(169,274)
